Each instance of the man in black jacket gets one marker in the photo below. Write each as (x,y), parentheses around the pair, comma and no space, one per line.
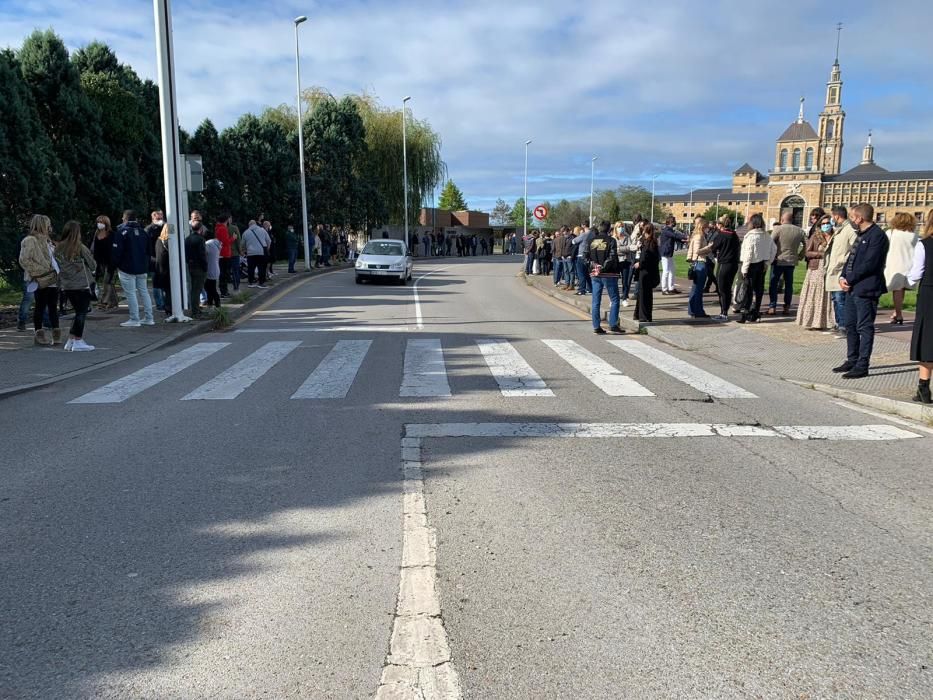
(602,258)
(196,257)
(131,256)
(863,282)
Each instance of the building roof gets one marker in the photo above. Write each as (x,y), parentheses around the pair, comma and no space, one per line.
(746,169)
(863,168)
(862,173)
(799,131)
(709,195)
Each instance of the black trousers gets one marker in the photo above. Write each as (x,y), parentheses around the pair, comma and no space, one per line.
(81,301)
(711,276)
(213,298)
(725,276)
(46,300)
(644,301)
(253,263)
(755,276)
(224,275)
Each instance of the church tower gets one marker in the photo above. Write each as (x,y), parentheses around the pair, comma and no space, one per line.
(832,120)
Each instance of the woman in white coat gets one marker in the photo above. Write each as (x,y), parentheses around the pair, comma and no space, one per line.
(903,240)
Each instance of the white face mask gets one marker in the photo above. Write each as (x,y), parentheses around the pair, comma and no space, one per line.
(101,227)
(194,223)
(157,222)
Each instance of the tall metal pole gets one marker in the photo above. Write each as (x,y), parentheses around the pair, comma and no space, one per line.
(171,153)
(592,181)
(717,207)
(405,163)
(525,196)
(301,149)
(690,216)
(651,215)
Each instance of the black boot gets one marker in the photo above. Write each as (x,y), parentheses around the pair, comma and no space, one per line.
(923,392)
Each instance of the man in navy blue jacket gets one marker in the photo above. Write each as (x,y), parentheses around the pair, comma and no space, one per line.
(863,282)
(131,256)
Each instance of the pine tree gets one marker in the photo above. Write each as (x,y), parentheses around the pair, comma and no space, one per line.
(451,198)
(502,212)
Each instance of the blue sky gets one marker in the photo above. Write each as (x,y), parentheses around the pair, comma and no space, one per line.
(683,90)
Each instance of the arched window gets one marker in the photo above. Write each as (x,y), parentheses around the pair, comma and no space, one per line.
(808,160)
(833,93)
(795,164)
(830,128)
(783,162)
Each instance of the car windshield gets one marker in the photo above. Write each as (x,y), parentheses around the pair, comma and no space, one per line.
(384,248)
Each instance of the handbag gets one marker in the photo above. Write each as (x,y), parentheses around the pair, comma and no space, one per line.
(91,284)
(692,272)
(740,291)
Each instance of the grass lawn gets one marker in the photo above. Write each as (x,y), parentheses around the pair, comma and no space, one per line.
(910,299)
(9,296)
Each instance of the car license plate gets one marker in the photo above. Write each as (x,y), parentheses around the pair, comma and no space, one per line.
(378,272)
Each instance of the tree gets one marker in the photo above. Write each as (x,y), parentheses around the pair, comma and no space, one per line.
(714,213)
(566,213)
(451,198)
(515,217)
(502,212)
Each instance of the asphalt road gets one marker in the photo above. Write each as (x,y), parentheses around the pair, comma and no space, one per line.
(224,518)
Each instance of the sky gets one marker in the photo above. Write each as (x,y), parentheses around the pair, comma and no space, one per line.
(680,91)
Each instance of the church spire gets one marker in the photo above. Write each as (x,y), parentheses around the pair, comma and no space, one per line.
(868,153)
(800,113)
(838,38)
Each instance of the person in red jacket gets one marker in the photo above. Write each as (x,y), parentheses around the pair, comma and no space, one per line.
(226,252)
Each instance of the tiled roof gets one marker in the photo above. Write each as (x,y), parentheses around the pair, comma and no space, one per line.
(746,169)
(709,195)
(858,174)
(799,131)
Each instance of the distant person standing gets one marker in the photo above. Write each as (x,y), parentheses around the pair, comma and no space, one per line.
(582,243)
(837,252)
(222,235)
(921,341)
(757,252)
(77,266)
(233,267)
(790,241)
(162,278)
(697,263)
(37,258)
(291,248)
(270,248)
(603,261)
(131,256)
(426,245)
(726,248)
(863,282)
(212,249)
(254,242)
(648,271)
(814,304)
(902,240)
(157,218)
(670,237)
(102,249)
(196,257)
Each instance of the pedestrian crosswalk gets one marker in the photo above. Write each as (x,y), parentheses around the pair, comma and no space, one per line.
(424,371)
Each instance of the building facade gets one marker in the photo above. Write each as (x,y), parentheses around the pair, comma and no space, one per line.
(807,173)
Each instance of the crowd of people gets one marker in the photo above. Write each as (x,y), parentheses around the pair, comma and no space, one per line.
(850,263)
(439,244)
(65,270)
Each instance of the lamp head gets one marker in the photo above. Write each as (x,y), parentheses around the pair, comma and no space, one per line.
(405,99)
(299,20)
(527,142)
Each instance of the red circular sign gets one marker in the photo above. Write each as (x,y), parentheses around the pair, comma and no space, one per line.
(541,212)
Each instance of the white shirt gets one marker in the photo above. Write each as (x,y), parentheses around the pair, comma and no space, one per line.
(919,264)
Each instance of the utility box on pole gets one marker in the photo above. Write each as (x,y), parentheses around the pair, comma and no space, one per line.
(195,173)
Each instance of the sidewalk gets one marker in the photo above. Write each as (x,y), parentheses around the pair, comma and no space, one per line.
(776,346)
(27,366)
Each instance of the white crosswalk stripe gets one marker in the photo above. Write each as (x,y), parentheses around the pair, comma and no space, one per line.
(132,384)
(513,374)
(683,371)
(425,373)
(334,376)
(598,371)
(235,380)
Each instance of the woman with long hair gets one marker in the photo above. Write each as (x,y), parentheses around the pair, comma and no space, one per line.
(902,241)
(695,244)
(726,248)
(648,270)
(161,278)
(77,270)
(756,255)
(921,341)
(102,248)
(813,308)
(37,258)
(626,251)
(816,216)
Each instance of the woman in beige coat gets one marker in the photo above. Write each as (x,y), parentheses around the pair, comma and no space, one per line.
(903,240)
(37,258)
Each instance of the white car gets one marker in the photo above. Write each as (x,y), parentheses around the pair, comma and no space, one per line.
(384,258)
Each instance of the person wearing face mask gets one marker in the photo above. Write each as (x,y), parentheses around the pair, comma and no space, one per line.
(270,251)
(837,252)
(102,249)
(291,247)
(814,304)
(153,230)
(131,255)
(196,257)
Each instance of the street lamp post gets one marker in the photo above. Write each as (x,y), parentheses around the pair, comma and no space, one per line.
(717,207)
(690,217)
(525,196)
(301,149)
(651,215)
(592,181)
(405,162)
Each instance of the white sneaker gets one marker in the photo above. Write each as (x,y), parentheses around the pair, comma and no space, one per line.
(131,324)
(68,344)
(625,302)
(80,346)
(148,322)
(252,286)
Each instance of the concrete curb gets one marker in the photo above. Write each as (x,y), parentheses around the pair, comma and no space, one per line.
(912,411)
(184,332)
(579,304)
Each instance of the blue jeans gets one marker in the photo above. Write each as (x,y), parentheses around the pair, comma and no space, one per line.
(627,271)
(777,272)
(860,333)
(25,304)
(529,263)
(159,297)
(558,269)
(133,285)
(292,258)
(839,309)
(569,272)
(583,276)
(611,285)
(695,300)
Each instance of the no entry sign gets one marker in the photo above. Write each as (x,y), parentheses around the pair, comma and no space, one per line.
(541,212)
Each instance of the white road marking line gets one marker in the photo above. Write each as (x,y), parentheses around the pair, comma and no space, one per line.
(140,380)
(425,373)
(334,376)
(418,664)
(698,378)
(235,380)
(327,329)
(597,370)
(419,321)
(513,374)
(884,416)
(656,430)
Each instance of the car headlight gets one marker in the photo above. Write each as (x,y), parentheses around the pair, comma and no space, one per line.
(359,264)
(398,267)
